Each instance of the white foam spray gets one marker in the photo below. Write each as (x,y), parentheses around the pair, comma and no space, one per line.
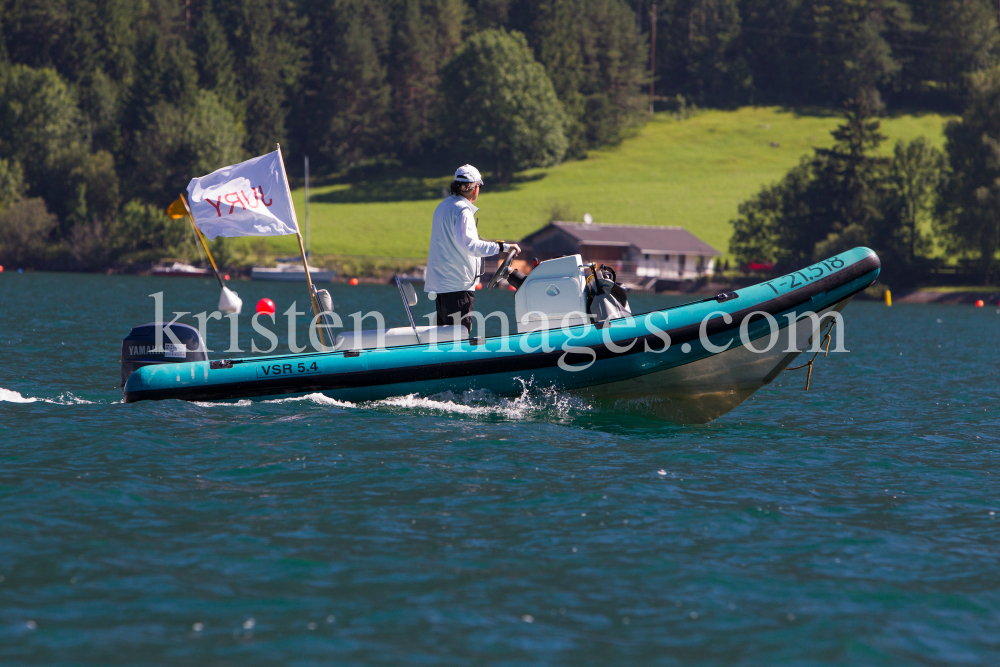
(65,398)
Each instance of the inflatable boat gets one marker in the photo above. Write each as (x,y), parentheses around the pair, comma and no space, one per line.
(687,364)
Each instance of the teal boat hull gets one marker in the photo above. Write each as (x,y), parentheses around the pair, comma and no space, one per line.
(627,365)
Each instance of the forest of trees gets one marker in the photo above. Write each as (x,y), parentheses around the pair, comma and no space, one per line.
(107,107)
(733,52)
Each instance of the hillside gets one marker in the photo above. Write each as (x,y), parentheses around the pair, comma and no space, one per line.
(691,173)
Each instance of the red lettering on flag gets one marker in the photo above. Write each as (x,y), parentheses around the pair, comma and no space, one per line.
(256,201)
(266,203)
(216,205)
(234,203)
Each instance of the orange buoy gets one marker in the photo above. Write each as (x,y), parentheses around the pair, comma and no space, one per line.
(265,306)
(354,281)
(979,303)
(225,277)
(479,286)
(1,268)
(511,288)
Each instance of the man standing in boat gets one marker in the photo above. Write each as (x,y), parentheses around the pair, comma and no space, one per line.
(454,262)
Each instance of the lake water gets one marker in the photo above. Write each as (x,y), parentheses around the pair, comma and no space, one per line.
(851,524)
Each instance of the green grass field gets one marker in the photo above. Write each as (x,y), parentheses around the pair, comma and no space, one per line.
(691,173)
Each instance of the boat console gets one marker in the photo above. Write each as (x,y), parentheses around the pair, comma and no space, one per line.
(565,292)
(553,293)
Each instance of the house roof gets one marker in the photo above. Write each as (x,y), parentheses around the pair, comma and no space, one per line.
(646,239)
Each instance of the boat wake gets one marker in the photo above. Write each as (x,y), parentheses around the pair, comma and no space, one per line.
(65,398)
(533,403)
(443,404)
(317,398)
(242,403)
(14,397)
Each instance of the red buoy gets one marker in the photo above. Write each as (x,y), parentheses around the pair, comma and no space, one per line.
(225,277)
(479,286)
(265,306)
(979,303)
(354,281)
(511,288)
(1,268)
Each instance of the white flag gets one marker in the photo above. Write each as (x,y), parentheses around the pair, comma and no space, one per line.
(246,199)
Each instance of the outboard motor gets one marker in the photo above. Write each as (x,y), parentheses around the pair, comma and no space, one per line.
(138,348)
(607,299)
(606,307)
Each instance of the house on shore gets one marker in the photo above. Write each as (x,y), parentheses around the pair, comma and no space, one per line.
(640,254)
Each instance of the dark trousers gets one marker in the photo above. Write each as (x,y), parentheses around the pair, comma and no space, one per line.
(455,305)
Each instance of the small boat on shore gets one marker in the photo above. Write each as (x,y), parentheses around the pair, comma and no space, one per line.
(291,272)
(686,364)
(180,269)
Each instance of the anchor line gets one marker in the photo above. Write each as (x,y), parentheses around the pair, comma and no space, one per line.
(829,333)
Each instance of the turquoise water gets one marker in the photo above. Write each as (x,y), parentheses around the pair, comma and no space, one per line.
(853,524)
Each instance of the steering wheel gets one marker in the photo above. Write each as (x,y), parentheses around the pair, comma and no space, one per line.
(502,271)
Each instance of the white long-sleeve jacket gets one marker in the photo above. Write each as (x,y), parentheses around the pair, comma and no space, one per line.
(453,263)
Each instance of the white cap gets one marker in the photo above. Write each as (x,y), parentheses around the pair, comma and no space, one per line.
(468,174)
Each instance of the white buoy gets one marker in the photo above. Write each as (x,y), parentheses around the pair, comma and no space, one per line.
(230,302)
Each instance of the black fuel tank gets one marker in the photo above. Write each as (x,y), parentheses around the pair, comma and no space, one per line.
(139,347)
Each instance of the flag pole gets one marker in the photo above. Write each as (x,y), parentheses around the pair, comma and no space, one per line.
(197,232)
(307,207)
(302,249)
